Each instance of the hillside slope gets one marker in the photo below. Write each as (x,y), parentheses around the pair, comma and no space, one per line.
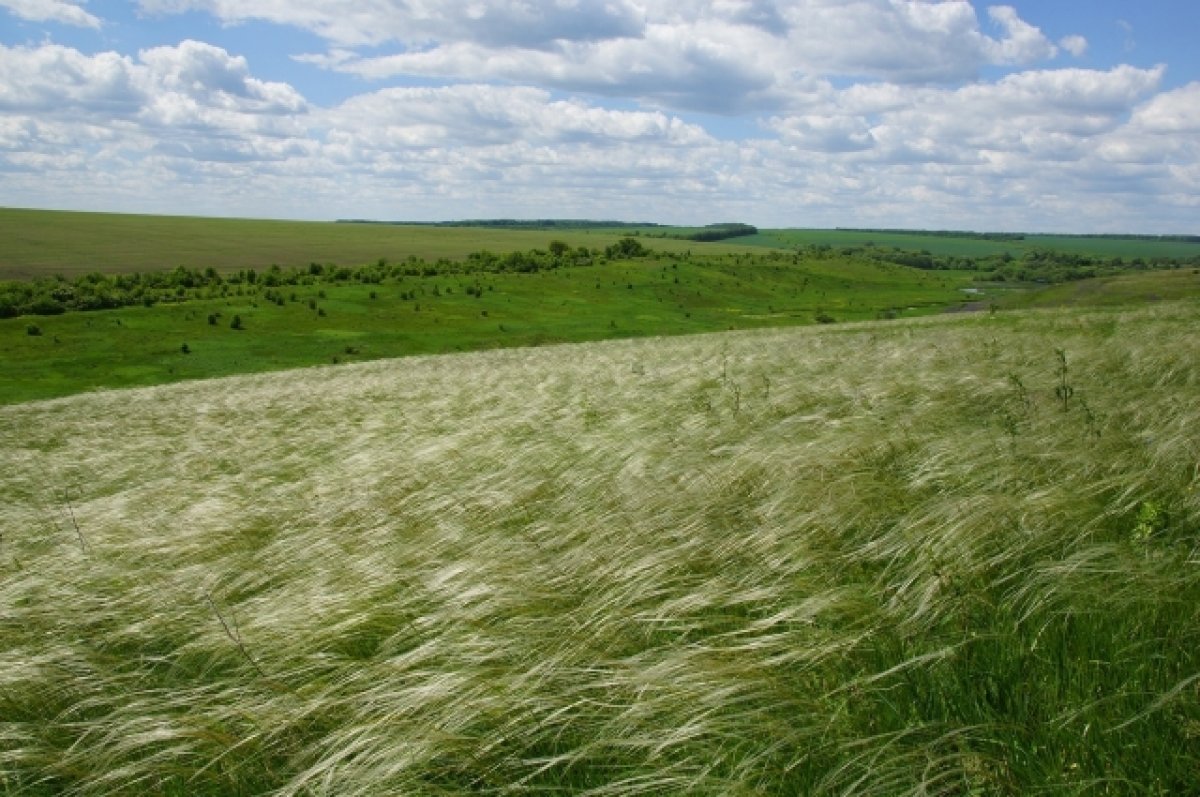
(933,556)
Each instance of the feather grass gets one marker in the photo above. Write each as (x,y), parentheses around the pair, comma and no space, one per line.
(872,559)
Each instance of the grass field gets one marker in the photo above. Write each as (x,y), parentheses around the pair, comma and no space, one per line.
(1118,290)
(39,242)
(967,246)
(938,556)
(685,287)
(326,323)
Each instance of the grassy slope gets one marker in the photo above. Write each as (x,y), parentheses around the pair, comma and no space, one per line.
(142,346)
(40,242)
(1117,290)
(1127,248)
(883,559)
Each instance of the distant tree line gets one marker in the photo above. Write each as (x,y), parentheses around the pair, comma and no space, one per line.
(720,232)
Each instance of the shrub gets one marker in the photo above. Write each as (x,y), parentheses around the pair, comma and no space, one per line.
(236,323)
(33,330)
(44,305)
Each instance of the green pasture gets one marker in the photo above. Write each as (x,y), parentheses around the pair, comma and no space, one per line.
(976,246)
(37,242)
(344,322)
(1119,289)
(686,287)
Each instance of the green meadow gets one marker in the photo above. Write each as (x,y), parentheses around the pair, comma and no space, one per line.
(341,321)
(38,242)
(181,299)
(1116,290)
(442,511)
(982,245)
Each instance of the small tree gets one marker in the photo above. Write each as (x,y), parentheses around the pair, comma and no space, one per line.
(236,323)
(559,248)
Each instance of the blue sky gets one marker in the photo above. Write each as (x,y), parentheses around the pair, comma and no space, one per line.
(1068,116)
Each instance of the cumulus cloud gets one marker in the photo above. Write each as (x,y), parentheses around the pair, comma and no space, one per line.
(907,41)
(1034,150)
(193,99)
(191,128)
(1163,130)
(1075,45)
(415,22)
(726,56)
(1176,111)
(1022,43)
(193,115)
(717,71)
(53,79)
(1026,112)
(210,76)
(51,11)
(475,115)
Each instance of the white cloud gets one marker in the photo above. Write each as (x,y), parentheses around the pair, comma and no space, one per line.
(190,128)
(906,41)
(1049,112)
(50,78)
(51,11)
(55,80)
(193,99)
(1051,149)
(1075,45)
(720,70)
(212,77)
(1165,130)
(1022,44)
(1176,111)
(189,124)
(484,115)
(416,22)
(726,56)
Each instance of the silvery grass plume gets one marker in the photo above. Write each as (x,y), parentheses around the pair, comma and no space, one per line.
(877,559)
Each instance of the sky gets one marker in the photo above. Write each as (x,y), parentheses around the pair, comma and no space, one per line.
(1049,115)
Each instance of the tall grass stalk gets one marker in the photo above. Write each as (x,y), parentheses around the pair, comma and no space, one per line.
(908,567)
